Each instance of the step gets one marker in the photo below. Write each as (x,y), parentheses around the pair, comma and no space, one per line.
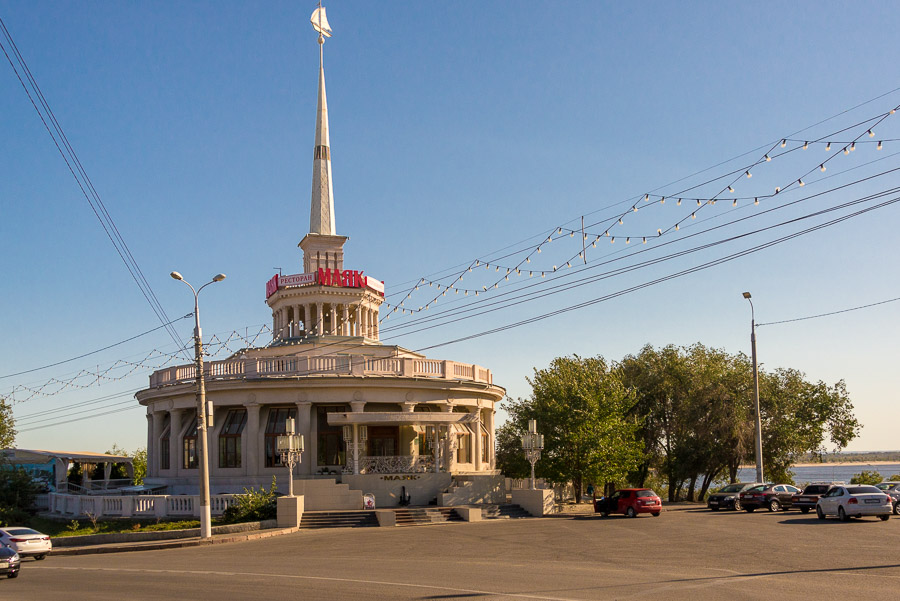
(426,516)
(503,511)
(338,519)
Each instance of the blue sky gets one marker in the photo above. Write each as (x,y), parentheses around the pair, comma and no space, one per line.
(458,130)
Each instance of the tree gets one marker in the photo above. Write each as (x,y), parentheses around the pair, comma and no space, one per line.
(581,408)
(17,494)
(866,477)
(139,461)
(7,425)
(510,458)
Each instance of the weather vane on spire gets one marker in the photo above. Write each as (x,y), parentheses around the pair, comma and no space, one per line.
(320,23)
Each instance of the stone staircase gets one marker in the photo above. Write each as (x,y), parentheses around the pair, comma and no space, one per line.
(422,516)
(503,511)
(338,519)
(325,494)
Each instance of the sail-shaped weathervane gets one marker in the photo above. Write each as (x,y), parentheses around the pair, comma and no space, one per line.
(320,22)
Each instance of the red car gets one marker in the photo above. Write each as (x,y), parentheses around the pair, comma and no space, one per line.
(630,501)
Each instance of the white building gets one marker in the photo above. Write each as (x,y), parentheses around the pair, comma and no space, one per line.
(423,424)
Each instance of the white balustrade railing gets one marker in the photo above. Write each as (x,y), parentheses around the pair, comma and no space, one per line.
(393,464)
(322,365)
(152,506)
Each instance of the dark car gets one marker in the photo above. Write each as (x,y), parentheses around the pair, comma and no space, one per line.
(775,497)
(809,496)
(9,561)
(729,496)
(893,491)
(630,501)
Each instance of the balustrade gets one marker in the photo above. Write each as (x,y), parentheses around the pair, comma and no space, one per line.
(393,464)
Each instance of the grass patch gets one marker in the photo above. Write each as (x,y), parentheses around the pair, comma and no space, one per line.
(55,528)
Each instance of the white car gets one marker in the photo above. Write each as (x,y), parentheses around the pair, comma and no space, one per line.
(854,500)
(26,541)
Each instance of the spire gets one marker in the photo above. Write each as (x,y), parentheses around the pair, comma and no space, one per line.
(321,214)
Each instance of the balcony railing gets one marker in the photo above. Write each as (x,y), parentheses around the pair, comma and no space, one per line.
(136,506)
(329,365)
(393,464)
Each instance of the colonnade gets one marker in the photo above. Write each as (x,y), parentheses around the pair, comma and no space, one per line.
(318,319)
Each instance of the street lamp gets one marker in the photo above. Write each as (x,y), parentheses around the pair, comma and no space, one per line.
(532,444)
(290,447)
(202,420)
(759,455)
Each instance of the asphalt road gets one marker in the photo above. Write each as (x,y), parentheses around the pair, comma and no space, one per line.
(693,554)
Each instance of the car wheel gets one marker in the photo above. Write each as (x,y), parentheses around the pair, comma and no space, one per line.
(714,509)
(884,518)
(774,505)
(604,514)
(819,513)
(40,557)
(737,505)
(842,515)
(897,508)
(804,510)
(749,509)
(655,514)
(13,574)
(630,512)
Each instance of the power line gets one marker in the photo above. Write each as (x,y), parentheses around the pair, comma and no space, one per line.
(884,302)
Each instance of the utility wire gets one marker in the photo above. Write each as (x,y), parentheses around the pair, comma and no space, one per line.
(884,302)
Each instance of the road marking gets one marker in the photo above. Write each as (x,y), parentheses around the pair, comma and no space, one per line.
(319,578)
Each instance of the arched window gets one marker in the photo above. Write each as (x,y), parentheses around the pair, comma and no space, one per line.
(189,459)
(230,438)
(164,461)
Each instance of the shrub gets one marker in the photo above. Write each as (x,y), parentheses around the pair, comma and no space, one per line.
(252,506)
(17,493)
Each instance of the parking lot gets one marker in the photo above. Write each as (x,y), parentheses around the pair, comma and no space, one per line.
(682,554)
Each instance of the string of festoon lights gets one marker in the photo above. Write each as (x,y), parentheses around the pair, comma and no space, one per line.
(777,150)
(153,360)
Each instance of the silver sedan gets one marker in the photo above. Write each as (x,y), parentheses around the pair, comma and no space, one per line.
(854,501)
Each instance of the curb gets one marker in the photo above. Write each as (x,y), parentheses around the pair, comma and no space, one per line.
(176,544)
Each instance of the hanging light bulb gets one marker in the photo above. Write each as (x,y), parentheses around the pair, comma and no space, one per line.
(734,204)
(645,239)
(496,284)
(518,271)
(484,288)
(756,201)
(543,274)
(528,259)
(606,233)
(554,268)
(498,268)
(698,202)
(584,237)
(594,244)
(456,291)
(476,293)
(621,222)
(679,202)
(508,270)
(893,111)
(559,230)
(627,240)
(677,227)
(879,145)
(871,133)
(634,208)
(530,274)
(783,142)
(712,202)
(467,293)
(822,167)
(539,252)
(568,263)
(470,269)
(430,284)
(777,189)
(805,145)
(748,174)
(646,197)
(662,200)
(730,189)
(828,146)
(693,215)
(852,146)
(800,183)
(477,263)
(846,150)
(487,266)
(417,286)
(572,234)
(612,240)
(581,255)
(768,158)
(659,231)
(549,239)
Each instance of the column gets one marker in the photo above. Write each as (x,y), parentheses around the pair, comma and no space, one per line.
(250,441)
(355,449)
(346,325)
(375,323)
(296,321)
(365,322)
(476,460)
(307,318)
(153,444)
(303,427)
(320,321)
(334,319)
(150,431)
(286,324)
(489,423)
(175,416)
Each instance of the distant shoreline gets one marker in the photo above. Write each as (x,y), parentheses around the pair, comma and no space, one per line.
(834,464)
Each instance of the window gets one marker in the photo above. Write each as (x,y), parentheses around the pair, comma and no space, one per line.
(383,441)
(463,452)
(275,427)
(164,444)
(331,449)
(230,438)
(485,445)
(189,460)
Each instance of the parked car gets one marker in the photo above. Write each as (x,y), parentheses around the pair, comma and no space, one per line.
(809,496)
(26,541)
(855,501)
(773,496)
(630,501)
(9,561)
(729,496)
(893,490)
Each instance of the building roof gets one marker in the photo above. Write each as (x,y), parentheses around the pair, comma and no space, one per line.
(42,456)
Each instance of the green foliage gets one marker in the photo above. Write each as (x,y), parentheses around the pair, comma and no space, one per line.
(252,506)
(139,460)
(7,425)
(17,493)
(866,477)
(581,408)
(510,458)
(895,478)
(56,528)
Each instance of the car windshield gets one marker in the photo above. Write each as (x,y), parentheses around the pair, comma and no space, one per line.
(646,493)
(732,488)
(861,490)
(816,489)
(20,531)
(886,485)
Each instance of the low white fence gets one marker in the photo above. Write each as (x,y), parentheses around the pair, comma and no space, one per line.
(134,506)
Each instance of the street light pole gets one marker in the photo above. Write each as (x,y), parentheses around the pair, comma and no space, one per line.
(202,416)
(532,444)
(759,453)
